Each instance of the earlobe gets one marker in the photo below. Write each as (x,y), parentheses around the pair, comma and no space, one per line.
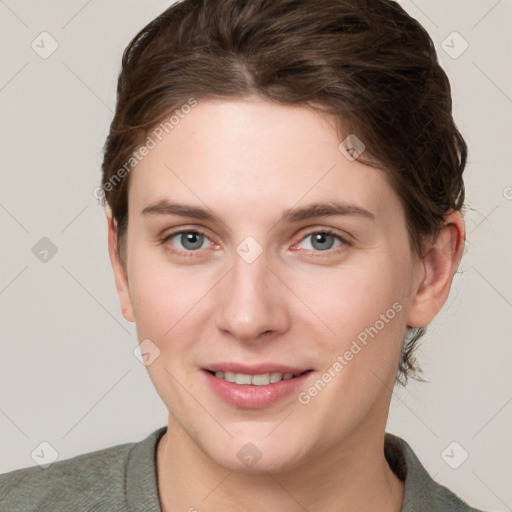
(437,269)
(120,272)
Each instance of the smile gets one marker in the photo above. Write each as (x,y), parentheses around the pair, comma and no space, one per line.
(261,379)
(255,387)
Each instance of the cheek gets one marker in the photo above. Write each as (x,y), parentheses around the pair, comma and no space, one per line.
(163,295)
(345,300)
(360,337)
(360,318)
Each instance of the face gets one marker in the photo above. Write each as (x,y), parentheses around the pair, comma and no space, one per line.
(256,250)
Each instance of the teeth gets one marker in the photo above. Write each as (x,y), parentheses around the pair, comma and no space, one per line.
(256,380)
(241,378)
(229,376)
(260,380)
(275,377)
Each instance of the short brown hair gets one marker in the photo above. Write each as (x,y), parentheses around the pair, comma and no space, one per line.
(367,62)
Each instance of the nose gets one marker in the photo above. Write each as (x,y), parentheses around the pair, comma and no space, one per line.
(252,303)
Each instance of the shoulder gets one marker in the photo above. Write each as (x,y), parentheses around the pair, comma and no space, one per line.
(80,483)
(72,483)
(422,493)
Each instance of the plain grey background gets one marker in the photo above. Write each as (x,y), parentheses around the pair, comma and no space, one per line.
(68,375)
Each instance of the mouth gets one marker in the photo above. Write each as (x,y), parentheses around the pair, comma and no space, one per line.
(257,386)
(259,379)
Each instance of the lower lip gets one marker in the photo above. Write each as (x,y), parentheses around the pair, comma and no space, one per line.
(247,396)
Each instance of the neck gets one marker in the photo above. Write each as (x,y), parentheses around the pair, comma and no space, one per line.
(355,476)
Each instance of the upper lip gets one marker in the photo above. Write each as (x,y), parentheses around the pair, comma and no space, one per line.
(255,369)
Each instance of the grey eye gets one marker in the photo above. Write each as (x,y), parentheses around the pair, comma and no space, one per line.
(188,240)
(321,241)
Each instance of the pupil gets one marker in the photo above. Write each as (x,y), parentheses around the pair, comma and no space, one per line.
(322,238)
(192,240)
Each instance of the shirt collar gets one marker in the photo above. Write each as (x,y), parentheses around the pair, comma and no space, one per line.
(141,488)
(420,490)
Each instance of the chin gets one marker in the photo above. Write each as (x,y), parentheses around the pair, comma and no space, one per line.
(256,454)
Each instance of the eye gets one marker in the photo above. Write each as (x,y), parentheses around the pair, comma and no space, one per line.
(188,241)
(323,240)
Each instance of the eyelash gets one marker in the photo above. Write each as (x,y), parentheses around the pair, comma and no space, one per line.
(324,231)
(166,239)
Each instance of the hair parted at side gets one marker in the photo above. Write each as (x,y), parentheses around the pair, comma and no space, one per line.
(367,62)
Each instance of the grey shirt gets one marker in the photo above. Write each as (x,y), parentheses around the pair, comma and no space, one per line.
(123,478)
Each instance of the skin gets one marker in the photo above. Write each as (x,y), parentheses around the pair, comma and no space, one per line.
(248,161)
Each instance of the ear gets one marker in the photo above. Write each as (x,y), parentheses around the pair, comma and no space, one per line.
(437,268)
(120,274)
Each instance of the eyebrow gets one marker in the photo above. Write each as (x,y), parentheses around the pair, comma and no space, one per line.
(164,207)
(328,209)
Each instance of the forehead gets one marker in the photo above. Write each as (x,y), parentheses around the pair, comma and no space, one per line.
(252,153)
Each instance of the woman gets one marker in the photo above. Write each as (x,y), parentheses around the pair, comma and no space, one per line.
(284,191)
